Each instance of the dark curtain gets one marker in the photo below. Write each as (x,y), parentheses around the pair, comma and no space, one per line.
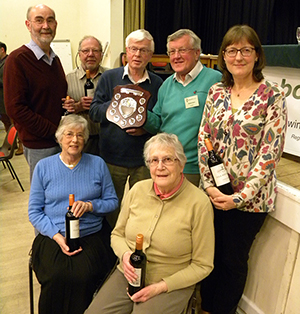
(274,21)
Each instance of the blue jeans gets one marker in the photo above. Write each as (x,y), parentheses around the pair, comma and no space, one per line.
(34,155)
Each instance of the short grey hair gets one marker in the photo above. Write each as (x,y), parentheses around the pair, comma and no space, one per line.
(165,140)
(140,35)
(195,40)
(90,37)
(72,121)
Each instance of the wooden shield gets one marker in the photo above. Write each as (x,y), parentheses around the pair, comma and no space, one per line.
(128,108)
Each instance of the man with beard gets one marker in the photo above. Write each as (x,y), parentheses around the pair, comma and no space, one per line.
(90,53)
(34,84)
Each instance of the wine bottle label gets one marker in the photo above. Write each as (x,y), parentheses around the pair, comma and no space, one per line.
(74,229)
(220,175)
(90,92)
(137,282)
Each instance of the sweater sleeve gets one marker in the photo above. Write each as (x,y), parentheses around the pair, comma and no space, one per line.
(102,97)
(269,150)
(154,121)
(204,132)
(37,199)
(16,93)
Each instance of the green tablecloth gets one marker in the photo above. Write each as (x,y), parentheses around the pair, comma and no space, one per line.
(282,55)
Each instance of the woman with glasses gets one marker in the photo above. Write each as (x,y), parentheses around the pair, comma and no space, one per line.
(245,117)
(176,220)
(69,279)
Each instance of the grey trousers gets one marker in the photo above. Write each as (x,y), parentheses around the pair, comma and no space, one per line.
(113,299)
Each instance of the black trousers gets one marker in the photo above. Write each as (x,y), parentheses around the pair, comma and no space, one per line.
(69,282)
(235,232)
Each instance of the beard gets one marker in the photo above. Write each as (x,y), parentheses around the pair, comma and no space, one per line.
(44,37)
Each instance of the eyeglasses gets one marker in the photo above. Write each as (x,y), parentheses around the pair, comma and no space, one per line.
(143,51)
(245,52)
(70,135)
(181,51)
(167,161)
(87,51)
(40,21)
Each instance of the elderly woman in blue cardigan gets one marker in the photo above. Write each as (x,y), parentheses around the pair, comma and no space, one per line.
(69,279)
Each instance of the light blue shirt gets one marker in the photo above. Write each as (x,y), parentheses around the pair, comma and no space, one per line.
(40,54)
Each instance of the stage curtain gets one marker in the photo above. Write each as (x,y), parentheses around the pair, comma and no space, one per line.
(275,21)
(134,16)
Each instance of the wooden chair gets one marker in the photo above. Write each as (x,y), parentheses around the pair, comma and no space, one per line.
(213,62)
(7,151)
(205,60)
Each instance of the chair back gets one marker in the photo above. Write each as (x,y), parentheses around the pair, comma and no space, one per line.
(9,143)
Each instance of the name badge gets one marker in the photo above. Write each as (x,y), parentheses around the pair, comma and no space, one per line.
(191,102)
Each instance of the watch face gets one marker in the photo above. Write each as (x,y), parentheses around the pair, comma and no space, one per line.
(128,108)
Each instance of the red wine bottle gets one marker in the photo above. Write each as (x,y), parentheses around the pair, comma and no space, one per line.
(138,260)
(217,169)
(89,85)
(72,227)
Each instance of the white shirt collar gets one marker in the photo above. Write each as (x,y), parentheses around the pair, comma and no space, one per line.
(143,79)
(190,76)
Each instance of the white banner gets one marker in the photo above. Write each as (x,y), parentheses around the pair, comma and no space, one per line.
(289,80)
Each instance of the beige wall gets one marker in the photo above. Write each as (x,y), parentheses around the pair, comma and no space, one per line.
(101,18)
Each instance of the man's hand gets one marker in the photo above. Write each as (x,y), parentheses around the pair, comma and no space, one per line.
(69,104)
(136,132)
(85,103)
(74,107)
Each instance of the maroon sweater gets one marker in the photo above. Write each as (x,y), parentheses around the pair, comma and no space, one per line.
(32,96)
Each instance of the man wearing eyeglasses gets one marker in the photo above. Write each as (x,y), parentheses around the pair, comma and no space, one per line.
(90,53)
(182,96)
(34,84)
(122,149)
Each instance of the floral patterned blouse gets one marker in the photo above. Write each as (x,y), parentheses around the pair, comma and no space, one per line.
(250,140)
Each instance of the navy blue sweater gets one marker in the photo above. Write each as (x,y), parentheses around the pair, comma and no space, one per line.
(116,146)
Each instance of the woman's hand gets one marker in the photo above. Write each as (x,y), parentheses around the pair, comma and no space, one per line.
(213,192)
(61,241)
(128,269)
(149,292)
(221,201)
(80,207)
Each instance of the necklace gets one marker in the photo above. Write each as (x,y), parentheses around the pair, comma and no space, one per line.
(246,89)
(69,166)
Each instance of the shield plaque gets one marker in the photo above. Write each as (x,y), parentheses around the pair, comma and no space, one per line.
(128,108)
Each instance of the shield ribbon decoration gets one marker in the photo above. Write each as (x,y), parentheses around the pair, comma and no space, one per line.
(128,108)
